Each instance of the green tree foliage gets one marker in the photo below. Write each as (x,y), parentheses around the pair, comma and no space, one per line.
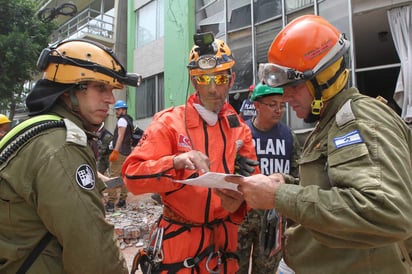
(22,37)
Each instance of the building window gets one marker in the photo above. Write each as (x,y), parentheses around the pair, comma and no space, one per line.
(238,14)
(240,44)
(150,96)
(150,22)
(265,33)
(266,9)
(292,5)
(210,16)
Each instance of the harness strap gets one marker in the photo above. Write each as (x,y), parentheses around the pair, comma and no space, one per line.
(9,144)
(35,253)
(405,254)
(188,262)
(211,253)
(193,262)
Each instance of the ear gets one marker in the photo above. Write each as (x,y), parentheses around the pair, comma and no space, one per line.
(232,79)
(194,84)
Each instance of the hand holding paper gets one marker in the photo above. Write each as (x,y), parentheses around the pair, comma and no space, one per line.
(212,180)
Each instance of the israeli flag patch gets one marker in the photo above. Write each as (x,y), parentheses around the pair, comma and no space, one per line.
(351,138)
(85,177)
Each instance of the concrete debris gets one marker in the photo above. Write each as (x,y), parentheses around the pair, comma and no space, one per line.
(132,225)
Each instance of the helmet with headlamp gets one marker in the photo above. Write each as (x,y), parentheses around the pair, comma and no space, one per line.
(76,61)
(209,55)
(68,65)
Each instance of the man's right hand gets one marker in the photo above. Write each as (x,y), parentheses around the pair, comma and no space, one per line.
(194,160)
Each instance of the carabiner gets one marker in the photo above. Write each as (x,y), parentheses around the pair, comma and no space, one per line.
(186,263)
(219,262)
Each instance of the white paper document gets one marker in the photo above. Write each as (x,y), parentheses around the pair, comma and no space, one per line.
(212,180)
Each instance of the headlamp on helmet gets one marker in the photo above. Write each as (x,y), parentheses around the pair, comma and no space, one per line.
(209,55)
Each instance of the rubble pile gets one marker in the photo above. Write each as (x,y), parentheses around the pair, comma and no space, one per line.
(133,224)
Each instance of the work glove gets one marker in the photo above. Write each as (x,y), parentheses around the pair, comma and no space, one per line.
(244,166)
(114,156)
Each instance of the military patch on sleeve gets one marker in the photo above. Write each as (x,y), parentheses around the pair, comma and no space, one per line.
(85,177)
(351,138)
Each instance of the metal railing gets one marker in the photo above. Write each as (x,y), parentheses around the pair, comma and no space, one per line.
(87,22)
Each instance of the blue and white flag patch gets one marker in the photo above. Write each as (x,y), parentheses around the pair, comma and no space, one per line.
(85,177)
(351,138)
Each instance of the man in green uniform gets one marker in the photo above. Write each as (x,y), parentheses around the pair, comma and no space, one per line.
(351,211)
(49,192)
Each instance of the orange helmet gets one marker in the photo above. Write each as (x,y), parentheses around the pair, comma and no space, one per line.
(78,60)
(217,58)
(309,49)
(305,47)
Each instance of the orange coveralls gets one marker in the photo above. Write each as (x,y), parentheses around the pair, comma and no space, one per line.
(199,234)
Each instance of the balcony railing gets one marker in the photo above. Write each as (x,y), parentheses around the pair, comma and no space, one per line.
(87,22)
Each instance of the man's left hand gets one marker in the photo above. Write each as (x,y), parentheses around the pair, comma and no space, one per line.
(245,166)
(230,199)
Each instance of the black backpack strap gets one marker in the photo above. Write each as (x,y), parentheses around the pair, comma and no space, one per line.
(35,253)
(12,141)
(24,131)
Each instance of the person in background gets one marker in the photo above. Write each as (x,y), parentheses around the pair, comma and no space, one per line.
(4,125)
(52,216)
(183,142)
(247,110)
(104,138)
(350,212)
(122,146)
(278,150)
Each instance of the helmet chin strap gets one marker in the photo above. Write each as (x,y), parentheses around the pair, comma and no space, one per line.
(76,110)
(317,103)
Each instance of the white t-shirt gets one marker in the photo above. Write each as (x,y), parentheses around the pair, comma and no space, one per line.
(122,122)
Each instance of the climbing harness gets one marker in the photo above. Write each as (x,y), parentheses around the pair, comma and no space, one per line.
(149,258)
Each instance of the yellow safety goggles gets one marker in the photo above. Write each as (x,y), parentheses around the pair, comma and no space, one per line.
(219,79)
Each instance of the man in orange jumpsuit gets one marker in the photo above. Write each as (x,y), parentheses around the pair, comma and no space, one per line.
(205,134)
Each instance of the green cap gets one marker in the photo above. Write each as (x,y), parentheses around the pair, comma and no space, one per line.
(262,90)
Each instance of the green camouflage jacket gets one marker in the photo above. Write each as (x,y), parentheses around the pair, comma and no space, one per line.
(50,184)
(353,204)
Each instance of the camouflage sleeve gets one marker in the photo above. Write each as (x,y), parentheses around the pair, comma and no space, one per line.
(294,166)
(104,145)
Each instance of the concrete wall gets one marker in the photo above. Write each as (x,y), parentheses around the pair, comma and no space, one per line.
(178,41)
(149,59)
